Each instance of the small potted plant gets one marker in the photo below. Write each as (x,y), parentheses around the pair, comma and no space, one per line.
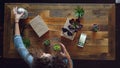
(79,12)
(46,43)
(95,27)
(26,42)
(56,47)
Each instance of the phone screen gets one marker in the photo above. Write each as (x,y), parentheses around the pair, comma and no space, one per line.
(82,39)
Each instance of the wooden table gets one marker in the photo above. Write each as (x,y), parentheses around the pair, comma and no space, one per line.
(99,45)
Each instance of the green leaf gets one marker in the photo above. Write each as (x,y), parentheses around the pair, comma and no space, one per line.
(79,12)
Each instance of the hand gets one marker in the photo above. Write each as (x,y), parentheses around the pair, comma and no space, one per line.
(63,47)
(65,52)
(17,16)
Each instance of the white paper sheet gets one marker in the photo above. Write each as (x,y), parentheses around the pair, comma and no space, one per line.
(39,26)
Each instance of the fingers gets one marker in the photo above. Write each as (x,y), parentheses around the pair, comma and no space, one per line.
(62,45)
(21,14)
(63,48)
(17,15)
(15,10)
(63,54)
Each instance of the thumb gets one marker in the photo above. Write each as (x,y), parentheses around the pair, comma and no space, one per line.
(63,54)
(21,13)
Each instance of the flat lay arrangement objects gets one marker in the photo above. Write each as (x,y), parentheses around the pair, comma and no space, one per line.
(87,30)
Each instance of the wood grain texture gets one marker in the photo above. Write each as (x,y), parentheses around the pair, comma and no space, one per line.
(99,45)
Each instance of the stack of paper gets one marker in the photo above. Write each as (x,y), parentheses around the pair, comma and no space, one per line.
(39,26)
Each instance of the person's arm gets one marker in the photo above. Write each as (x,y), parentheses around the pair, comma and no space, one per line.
(17,18)
(65,53)
(18,39)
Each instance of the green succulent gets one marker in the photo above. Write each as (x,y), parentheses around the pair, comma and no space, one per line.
(79,12)
(46,42)
(95,29)
(26,42)
(57,47)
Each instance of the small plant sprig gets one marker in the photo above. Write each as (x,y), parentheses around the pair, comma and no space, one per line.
(79,12)
(46,42)
(26,42)
(95,28)
(57,47)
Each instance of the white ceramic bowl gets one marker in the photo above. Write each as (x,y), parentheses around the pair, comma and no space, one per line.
(22,10)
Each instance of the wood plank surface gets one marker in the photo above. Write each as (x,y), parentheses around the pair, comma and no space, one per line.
(97,44)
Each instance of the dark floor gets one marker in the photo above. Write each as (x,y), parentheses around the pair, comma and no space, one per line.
(19,63)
